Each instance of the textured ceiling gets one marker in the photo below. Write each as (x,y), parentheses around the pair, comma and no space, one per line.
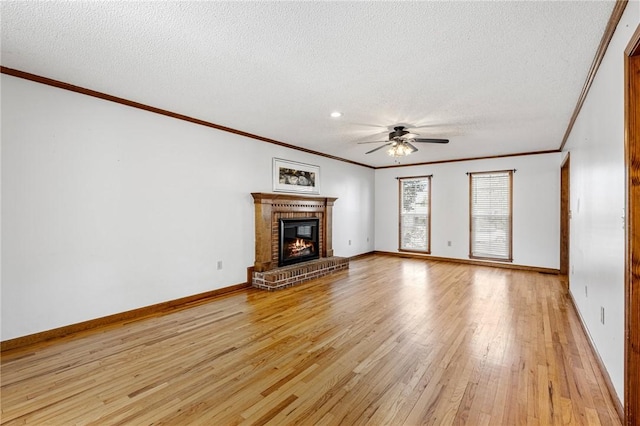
(493,77)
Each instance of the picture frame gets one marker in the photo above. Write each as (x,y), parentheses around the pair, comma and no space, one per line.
(292,176)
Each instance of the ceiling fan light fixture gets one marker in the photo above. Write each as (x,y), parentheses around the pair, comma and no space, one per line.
(399,149)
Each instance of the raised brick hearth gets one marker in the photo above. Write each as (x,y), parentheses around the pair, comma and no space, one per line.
(269,209)
(288,276)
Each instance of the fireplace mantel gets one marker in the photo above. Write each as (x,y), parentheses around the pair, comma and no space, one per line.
(269,208)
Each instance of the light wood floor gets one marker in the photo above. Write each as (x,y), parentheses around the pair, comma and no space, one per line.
(391,341)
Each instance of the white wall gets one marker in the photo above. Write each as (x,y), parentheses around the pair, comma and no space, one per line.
(108,208)
(596,146)
(536,207)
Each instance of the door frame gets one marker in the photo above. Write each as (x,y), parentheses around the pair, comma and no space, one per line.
(632,230)
(565,216)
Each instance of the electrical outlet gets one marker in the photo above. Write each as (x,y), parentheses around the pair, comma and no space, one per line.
(349,242)
(602,314)
(586,291)
(449,243)
(219,264)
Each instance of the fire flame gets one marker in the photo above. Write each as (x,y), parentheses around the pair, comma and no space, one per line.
(299,245)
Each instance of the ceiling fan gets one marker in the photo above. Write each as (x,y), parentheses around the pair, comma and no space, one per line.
(401,142)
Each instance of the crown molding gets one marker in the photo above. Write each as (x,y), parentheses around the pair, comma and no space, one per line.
(616,15)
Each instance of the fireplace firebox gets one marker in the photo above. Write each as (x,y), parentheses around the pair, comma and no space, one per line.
(298,241)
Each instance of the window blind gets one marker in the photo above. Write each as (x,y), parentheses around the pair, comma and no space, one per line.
(490,211)
(415,209)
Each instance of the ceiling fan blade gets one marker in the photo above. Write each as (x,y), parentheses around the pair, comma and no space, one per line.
(413,148)
(380,147)
(359,143)
(422,140)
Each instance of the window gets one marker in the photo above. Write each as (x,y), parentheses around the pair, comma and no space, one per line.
(490,215)
(415,214)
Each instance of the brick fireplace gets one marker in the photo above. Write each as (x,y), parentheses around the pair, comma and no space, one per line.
(269,210)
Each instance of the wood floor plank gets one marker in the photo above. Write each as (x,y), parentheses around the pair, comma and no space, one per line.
(390,341)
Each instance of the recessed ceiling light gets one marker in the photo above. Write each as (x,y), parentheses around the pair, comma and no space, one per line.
(336,114)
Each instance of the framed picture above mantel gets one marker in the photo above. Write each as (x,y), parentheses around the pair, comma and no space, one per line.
(291,176)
